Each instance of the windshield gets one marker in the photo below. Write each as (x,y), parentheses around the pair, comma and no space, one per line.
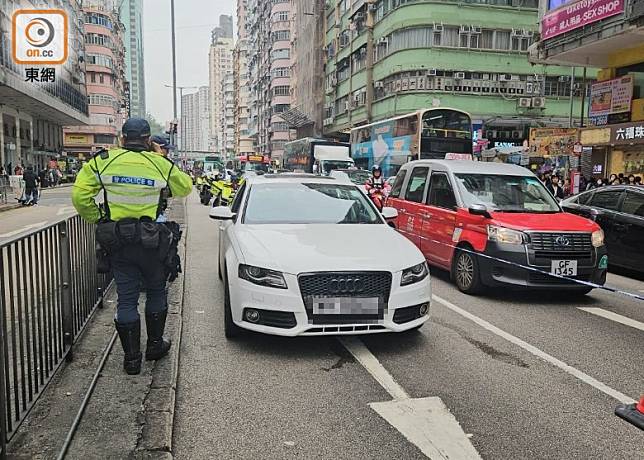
(309,204)
(506,193)
(255,167)
(359,176)
(330,165)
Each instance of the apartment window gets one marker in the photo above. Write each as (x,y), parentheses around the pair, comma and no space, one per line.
(284,53)
(100,59)
(92,77)
(281,72)
(98,19)
(280,16)
(279,108)
(101,78)
(281,90)
(103,99)
(98,39)
(281,35)
(279,126)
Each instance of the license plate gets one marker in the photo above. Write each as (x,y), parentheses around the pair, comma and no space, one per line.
(345,305)
(564,267)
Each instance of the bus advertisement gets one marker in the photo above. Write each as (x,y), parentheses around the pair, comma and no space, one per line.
(316,155)
(436,133)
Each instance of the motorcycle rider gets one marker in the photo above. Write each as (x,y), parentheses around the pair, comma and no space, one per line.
(377,187)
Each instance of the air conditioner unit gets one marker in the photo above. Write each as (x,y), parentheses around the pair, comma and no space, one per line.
(438,27)
(358,16)
(379,84)
(527,33)
(539,102)
(476,30)
(505,77)
(328,121)
(421,83)
(431,73)
(529,88)
(564,78)
(464,29)
(517,134)
(346,106)
(373,7)
(524,102)
(412,84)
(485,76)
(383,41)
(538,77)
(459,75)
(405,84)
(397,85)
(515,33)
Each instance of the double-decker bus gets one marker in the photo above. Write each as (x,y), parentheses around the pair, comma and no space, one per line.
(434,133)
(252,163)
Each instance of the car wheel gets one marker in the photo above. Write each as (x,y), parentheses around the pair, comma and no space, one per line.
(466,272)
(231,330)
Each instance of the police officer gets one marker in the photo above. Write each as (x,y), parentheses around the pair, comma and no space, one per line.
(132,179)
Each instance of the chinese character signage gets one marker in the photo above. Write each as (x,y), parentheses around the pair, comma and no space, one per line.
(629,133)
(611,97)
(575,15)
(553,141)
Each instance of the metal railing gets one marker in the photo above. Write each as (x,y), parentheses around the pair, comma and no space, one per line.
(49,289)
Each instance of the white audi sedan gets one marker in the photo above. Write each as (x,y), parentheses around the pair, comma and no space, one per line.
(302,254)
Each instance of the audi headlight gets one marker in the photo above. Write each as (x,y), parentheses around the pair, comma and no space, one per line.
(414,274)
(598,238)
(505,235)
(262,276)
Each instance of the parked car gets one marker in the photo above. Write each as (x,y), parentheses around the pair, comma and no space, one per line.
(619,210)
(481,220)
(302,254)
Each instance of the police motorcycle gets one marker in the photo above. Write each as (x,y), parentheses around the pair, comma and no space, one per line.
(377,188)
(205,190)
(224,191)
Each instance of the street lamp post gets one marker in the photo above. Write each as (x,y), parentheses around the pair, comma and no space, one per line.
(174,89)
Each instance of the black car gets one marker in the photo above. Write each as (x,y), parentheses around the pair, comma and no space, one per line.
(619,210)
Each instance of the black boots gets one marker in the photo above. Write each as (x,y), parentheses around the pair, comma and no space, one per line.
(157,347)
(130,335)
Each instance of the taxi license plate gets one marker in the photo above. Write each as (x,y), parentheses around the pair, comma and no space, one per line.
(345,305)
(564,267)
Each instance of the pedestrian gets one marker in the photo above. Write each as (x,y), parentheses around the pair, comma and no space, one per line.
(567,189)
(42,177)
(631,179)
(18,170)
(555,188)
(613,180)
(139,250)
(31,186)
(622,179)
(638,180)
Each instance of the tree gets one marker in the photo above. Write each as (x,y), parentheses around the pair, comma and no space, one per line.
(155,126)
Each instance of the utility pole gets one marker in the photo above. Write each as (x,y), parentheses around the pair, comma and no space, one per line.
(183,131)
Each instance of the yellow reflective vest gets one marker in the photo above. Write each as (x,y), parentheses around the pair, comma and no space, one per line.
(133,182)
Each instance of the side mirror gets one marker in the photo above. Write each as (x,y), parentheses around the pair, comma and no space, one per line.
(221,213)
(479,210)
(389,213)
(594,214)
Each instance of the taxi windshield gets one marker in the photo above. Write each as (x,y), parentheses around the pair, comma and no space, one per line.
(503,193)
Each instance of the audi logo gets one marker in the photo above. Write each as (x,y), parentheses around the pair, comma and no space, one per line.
(562,241)
(346,285)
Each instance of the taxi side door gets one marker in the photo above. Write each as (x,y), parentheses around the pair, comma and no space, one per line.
(411,208)
(439,221)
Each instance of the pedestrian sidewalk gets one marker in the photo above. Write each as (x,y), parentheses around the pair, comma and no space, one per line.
(127,416)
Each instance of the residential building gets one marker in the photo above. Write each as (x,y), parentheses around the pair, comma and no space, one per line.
(607,35)
(131,12)
(220,64)
(388,57)
(244,144)
(228,115)
(195,121)
(32,114)
(105,80)
(269,66)
(307,79)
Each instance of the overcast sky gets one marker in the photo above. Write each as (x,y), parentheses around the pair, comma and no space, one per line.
(194,21)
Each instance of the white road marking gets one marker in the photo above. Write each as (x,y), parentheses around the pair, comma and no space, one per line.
(373,366)
(538,353)
(23,229)
(613,317)
(425,422)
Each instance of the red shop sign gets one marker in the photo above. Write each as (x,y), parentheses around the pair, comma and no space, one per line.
(578,14)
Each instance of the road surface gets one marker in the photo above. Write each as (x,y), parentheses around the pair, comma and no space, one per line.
(526,375)
(55,204)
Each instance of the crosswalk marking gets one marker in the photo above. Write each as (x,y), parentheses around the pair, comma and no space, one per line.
(613,317)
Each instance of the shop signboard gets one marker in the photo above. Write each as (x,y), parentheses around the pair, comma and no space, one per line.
(552,141)
(628,133)
(610,97)
(595,136)
(78,139)
(572,16)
